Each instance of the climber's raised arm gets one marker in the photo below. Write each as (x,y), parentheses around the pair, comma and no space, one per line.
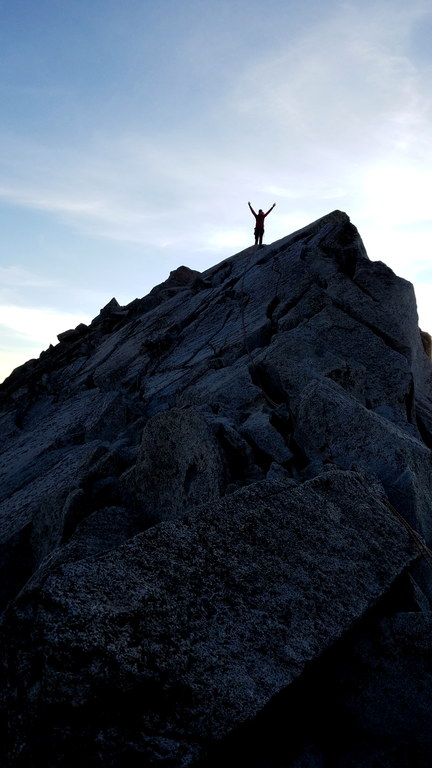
(270,209)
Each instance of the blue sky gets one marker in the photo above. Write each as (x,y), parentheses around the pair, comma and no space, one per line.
(133,133)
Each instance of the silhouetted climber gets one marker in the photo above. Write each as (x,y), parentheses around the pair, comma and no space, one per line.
(259,223)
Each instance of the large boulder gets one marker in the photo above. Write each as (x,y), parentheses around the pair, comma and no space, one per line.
(178,466)
(335,429)
(199,621)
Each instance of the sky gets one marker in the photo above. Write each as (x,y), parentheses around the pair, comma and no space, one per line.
(134,133)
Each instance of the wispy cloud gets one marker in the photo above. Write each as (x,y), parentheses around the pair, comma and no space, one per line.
(308,116)
(16,276)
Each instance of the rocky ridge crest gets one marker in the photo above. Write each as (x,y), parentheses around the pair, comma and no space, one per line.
(209,507)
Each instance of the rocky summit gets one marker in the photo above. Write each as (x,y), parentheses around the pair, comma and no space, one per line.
(216,513)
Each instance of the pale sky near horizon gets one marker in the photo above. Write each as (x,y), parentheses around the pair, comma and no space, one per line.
(133,133)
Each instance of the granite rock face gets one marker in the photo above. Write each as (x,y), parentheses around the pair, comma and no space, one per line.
(215,507)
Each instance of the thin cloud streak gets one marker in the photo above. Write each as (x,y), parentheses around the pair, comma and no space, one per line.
(16,276)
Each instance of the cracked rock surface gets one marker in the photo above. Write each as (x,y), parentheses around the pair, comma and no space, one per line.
(209,506)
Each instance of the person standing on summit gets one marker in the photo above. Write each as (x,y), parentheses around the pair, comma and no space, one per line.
(259,223)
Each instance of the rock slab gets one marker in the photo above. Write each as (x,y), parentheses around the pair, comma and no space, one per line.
(201,621)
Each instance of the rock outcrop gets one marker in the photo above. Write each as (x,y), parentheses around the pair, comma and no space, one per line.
(215,518)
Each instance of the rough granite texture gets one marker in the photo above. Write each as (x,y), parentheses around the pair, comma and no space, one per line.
(203,620)
(200,546)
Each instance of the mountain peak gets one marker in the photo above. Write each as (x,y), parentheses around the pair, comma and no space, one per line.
(214,503)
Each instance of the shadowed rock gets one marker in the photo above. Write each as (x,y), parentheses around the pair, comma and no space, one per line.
(195,527)
(204,620)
